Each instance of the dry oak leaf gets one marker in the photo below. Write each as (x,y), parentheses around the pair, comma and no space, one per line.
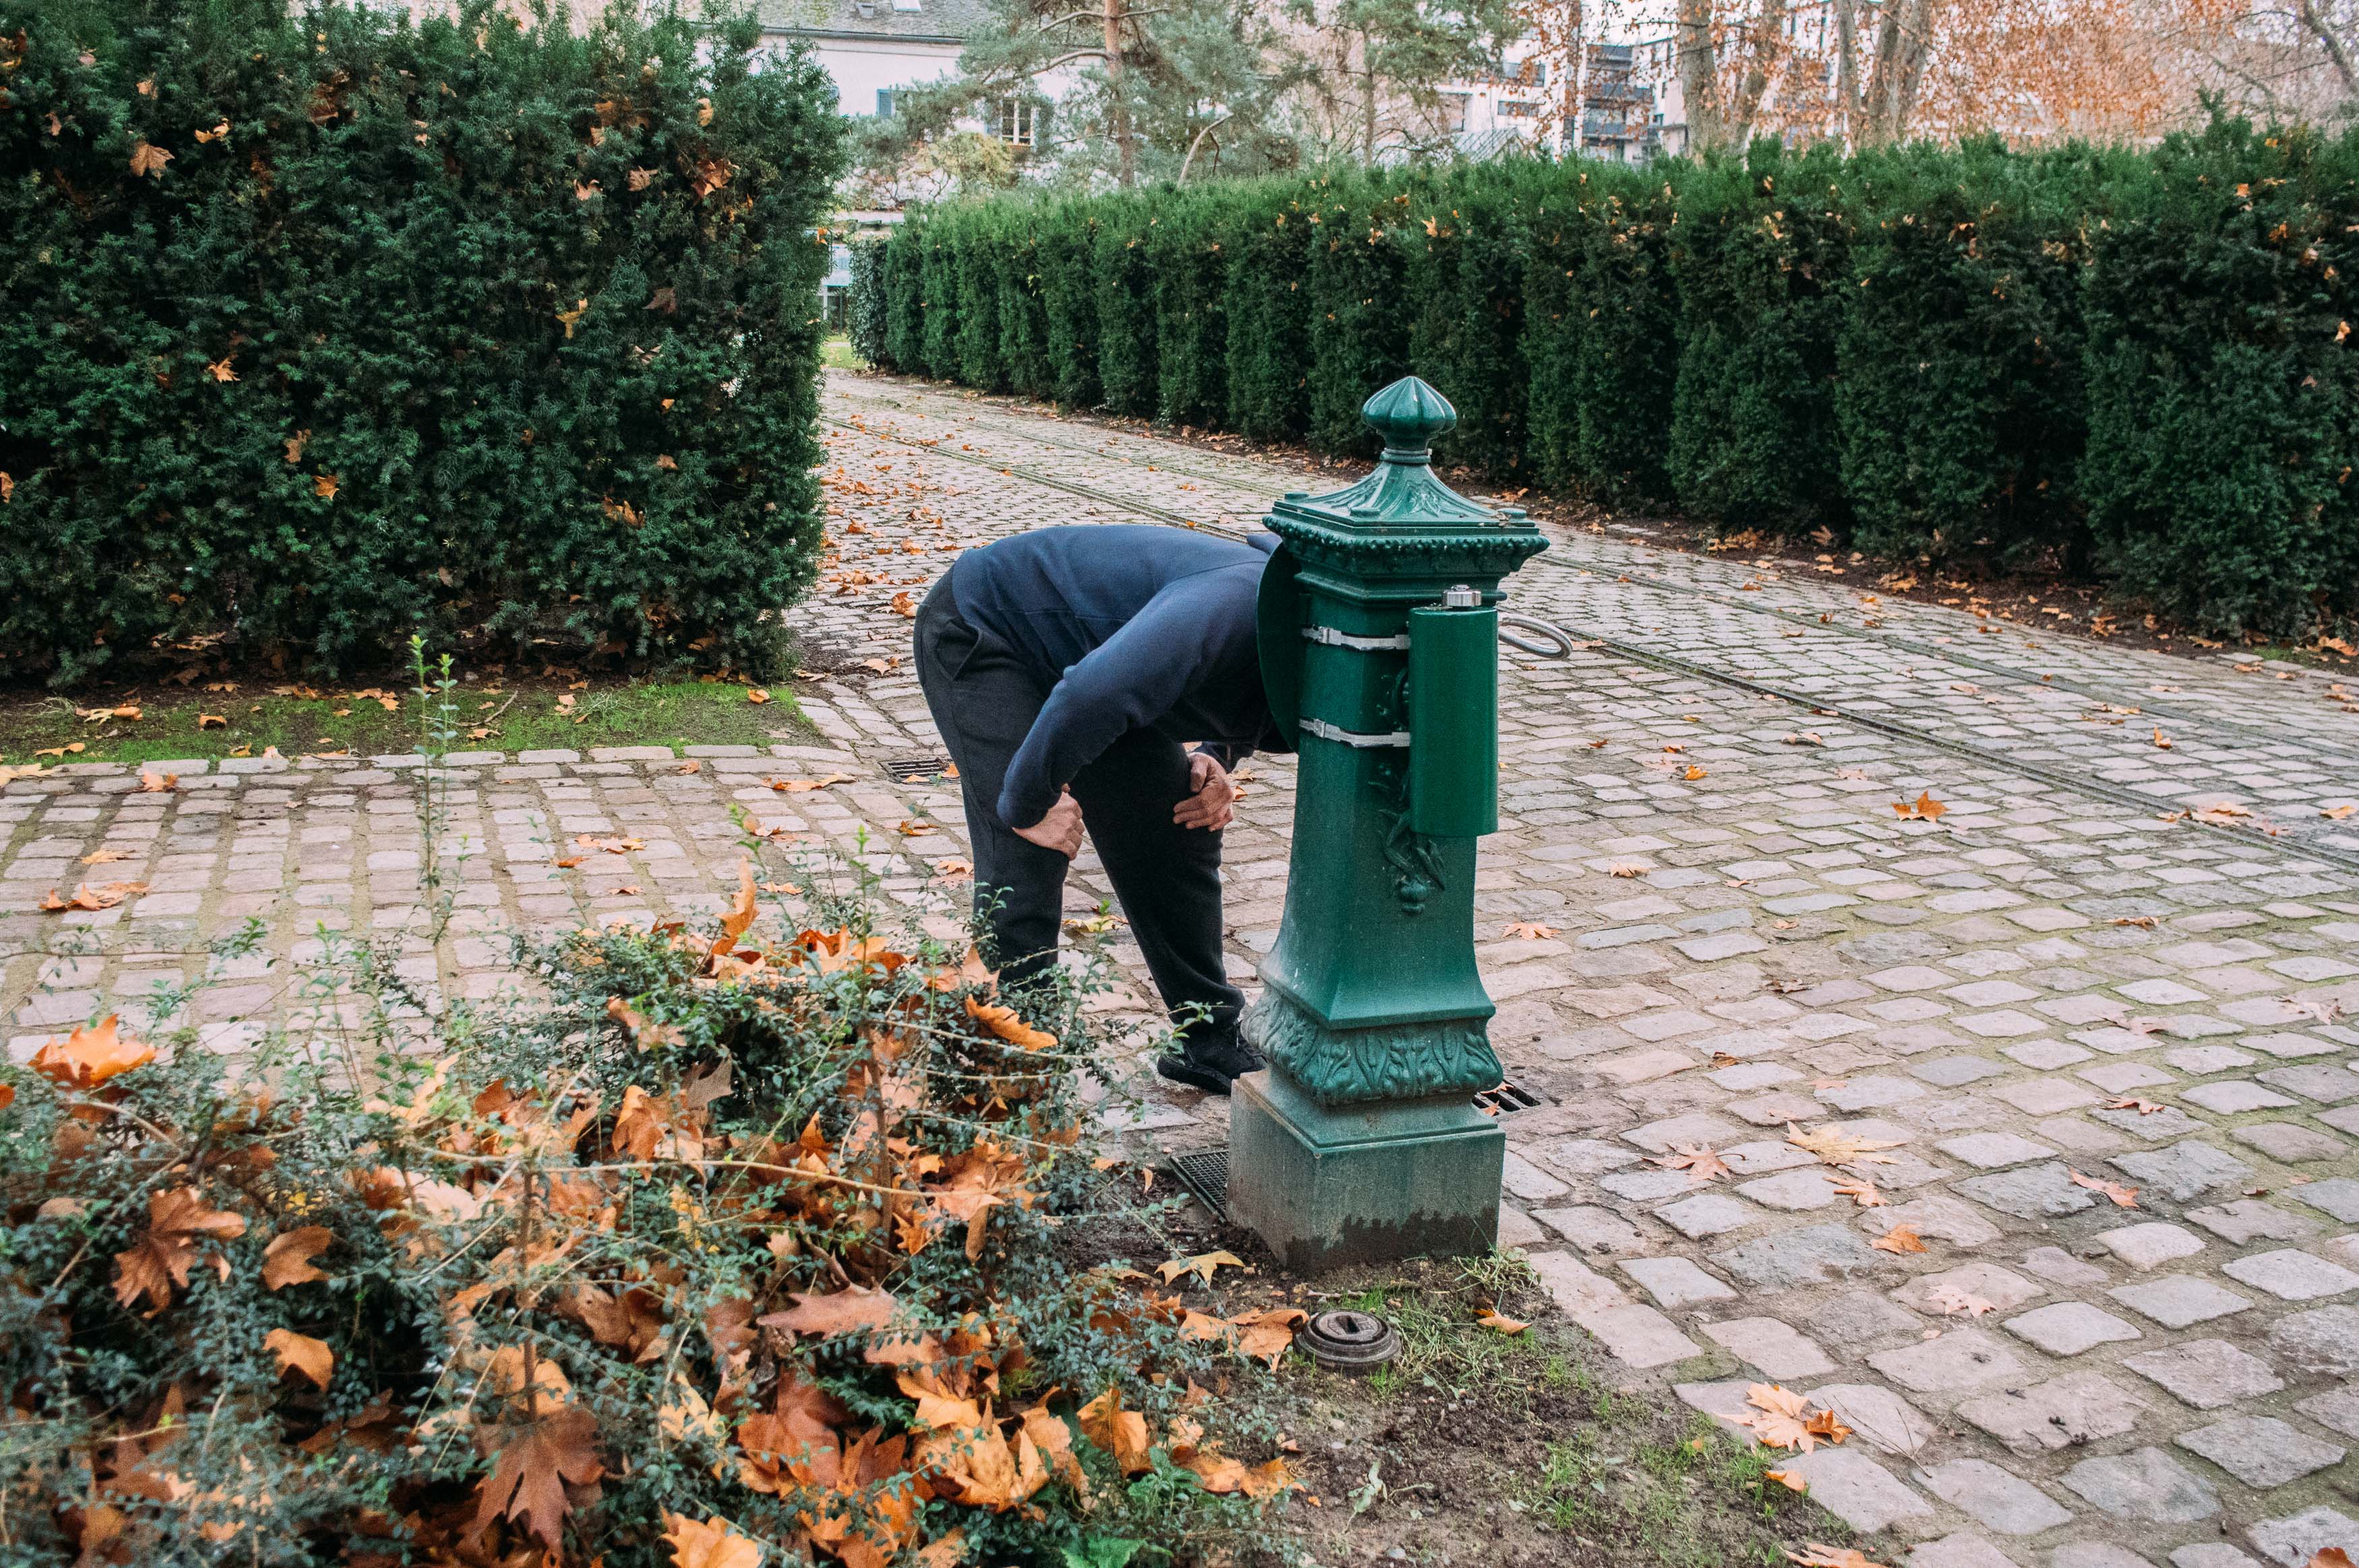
(1495,1319)
(1002,1021)
(159,1259)
(287,1260)
(1121,1432)
(147,159)
(715,1543)
(1817,1554)
(1835,1147)
(2124,1197)
(301,1353)
(1526,931)
(1202,1265)
(1267,1336)
(92,1054)
(1700,1162)
(1900,1238)
(847,1311)
(536,1464)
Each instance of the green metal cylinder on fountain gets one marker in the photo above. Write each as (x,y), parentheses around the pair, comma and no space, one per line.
(1379,650)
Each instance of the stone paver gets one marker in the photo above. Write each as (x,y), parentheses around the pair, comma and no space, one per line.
(2062,982)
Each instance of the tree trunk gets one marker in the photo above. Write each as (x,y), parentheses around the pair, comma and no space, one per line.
(1847,70)
(1368,103)
(1764,52)
(1699,70)
(1125,156)
(2336,50)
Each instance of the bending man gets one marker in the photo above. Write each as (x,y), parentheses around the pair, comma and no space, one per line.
(1066,670)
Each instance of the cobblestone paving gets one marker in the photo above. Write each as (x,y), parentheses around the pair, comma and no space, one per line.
(2064,975)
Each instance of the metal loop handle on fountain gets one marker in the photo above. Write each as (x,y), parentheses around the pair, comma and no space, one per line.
(1564,639)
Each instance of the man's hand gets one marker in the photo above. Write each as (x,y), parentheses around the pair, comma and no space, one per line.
(1059,830)
(1213,803)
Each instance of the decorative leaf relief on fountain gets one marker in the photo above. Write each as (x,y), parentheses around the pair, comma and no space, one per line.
(1398,1061)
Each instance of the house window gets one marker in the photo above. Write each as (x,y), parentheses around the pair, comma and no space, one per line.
(1453,112)
(1019,122)
(1533,72)
(883,103)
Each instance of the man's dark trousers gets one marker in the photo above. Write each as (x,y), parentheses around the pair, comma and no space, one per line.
(1168,877)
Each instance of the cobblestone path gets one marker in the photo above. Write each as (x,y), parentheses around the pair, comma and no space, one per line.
(2107,963)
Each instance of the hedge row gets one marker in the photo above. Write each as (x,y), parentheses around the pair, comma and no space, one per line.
(2133,363)
(321,326)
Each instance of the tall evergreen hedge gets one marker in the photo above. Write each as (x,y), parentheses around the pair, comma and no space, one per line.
(2139,363)
(320,328)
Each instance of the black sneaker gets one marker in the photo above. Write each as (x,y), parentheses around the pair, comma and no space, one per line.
(1210,1064)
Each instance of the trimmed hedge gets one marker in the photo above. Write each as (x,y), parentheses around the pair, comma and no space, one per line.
(2135,363)
(319,329)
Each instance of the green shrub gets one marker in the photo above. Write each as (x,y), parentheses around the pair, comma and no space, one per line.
(1128,380)
(867,314)
(1959,390)
(1465,247)
(318,330)
(904,284)
(976,241)
(1069,301)
(1189,266)
(940,298)
(1022,319)
(1356,310)
(689,1236)
(2224,384)
(1601,322)
(1758,253)
(1269,340)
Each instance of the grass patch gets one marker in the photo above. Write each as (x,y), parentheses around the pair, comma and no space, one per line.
(1665,1494)
(836,355)
(247,718)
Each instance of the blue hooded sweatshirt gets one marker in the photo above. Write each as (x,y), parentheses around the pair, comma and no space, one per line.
(1127,626)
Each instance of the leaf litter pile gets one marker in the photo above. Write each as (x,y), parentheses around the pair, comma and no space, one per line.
(720,1251)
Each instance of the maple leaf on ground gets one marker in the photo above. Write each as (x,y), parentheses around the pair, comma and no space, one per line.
(1700,1162)
(740,914)
(1861,1191)
(2124,1197)
(92,1054)
(1900,1238)
(953,869)
(1267,1336)
(1202,1265)
(1628,869)
(2329,1557)
(1952,1301)
(159,1259)
(1788,1478)
(715,1543)
(1835,1147)
(1780,1417)
(903,604)
(1817,1554)
(1495,1319)
(2145,922)
(757,696)
(535,1465)
(2130,1102)
(847,1311)
(301,1353)
(798,786)
(1526,931)
(287,1260)
(1121,1432)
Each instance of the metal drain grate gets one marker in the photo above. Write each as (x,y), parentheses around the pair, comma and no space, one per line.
(916,769)
(1507,1099)
(1205,1174)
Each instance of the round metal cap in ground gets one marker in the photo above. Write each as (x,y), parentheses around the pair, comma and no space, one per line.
(1346,1341)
